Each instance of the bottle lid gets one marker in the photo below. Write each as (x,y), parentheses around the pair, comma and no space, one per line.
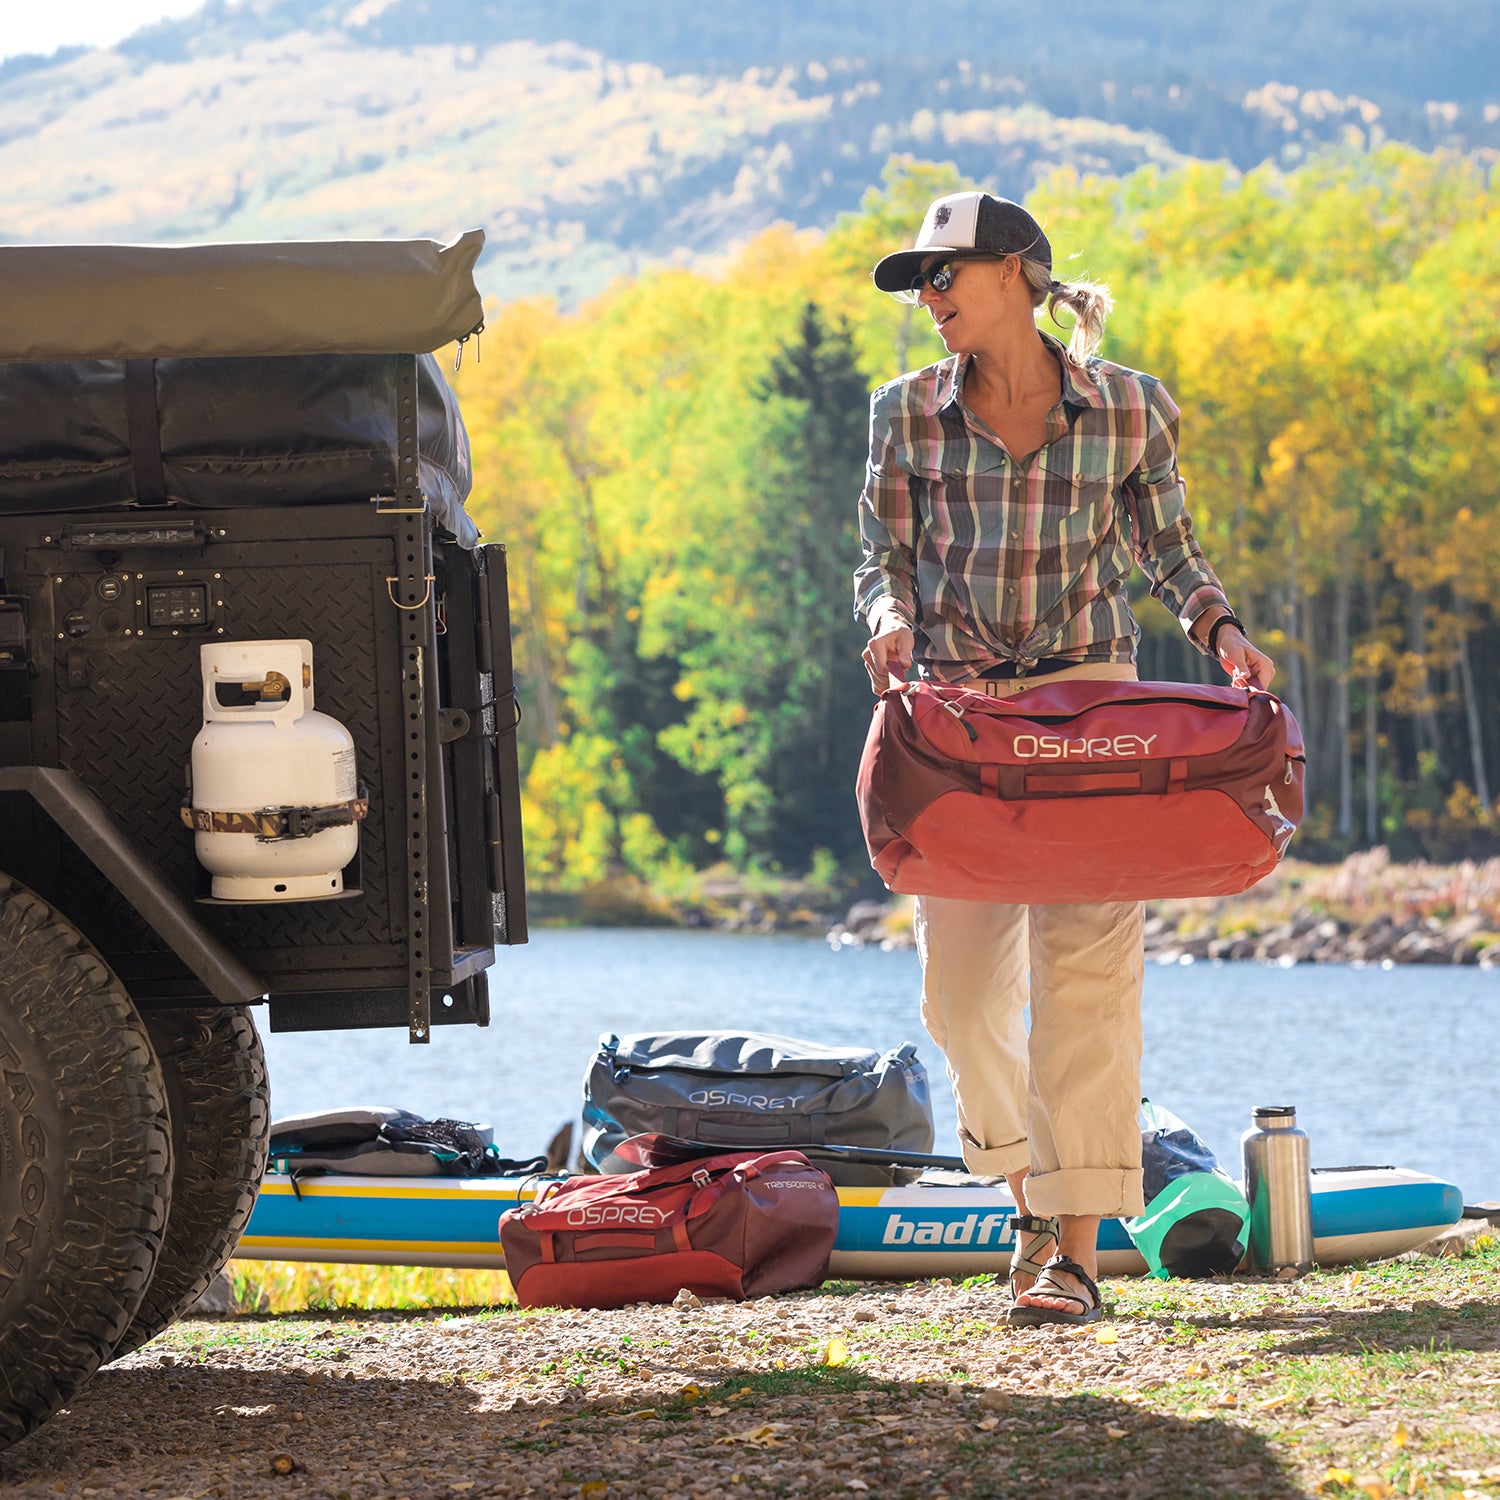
(1275,1112)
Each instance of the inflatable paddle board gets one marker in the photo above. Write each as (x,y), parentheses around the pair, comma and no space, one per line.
(938,1226)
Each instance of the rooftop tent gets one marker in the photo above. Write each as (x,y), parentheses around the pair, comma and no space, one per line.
(228,375)
(116,302)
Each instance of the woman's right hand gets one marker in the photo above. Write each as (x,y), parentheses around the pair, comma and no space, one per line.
(888,656)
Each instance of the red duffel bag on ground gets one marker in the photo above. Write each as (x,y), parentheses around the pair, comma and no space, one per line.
(1079,791)
(741,1224)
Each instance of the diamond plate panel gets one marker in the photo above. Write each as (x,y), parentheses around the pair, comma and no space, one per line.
(128,735)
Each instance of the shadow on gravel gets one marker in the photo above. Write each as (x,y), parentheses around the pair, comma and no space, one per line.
(190,1426)
(1472,1326)
(814,1431)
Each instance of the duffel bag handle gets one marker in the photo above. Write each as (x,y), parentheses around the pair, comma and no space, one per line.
(736,1137)
(1024,783)
(584,1245)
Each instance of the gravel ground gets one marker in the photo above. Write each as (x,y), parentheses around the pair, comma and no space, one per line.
(1213,1389)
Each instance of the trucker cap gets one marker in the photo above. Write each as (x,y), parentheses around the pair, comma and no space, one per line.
(966,221)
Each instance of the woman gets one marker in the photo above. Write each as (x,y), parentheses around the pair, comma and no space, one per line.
(1010,488)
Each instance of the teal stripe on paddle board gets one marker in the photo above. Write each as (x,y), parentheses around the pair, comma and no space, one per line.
(1395,1205)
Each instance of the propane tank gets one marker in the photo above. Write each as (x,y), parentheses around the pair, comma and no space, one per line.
(275,802)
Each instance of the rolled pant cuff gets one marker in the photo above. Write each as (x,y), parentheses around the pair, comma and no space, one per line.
(1105,1192)
(997,1161)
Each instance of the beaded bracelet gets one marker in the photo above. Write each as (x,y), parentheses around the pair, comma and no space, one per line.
(1217,626)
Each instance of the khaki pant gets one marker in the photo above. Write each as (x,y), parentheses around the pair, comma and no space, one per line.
(1063,1101)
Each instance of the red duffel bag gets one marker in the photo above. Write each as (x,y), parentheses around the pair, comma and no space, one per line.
(1079,791)
(741,1224)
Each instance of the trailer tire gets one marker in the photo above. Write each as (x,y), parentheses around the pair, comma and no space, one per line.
(214,1069)
(85,1160)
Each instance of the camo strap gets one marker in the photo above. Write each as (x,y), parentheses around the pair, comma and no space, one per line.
(271,825)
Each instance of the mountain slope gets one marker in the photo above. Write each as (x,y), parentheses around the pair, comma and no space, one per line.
(284,119)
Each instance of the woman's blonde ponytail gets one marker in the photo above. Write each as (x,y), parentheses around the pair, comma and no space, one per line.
(1090,303)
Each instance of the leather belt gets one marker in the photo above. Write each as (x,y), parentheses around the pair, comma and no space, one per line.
(1010,669)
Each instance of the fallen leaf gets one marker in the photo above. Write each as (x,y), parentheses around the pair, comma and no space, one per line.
(1355,1277)
(767,1435)
(461,1485)
(1334,1478)
(1200,1414)
(1271,1403)
(1132,1398)
(545,1422)
(627,1416)
(1416,1484)
(837,1353)
(1115,1432)
(594,1487)
(1106,1336)
(690,1393)
(1196,1371)
(1227,1399)
(1399,1435)
(1375,1487)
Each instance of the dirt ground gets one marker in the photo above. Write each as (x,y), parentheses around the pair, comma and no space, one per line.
(1374,1382)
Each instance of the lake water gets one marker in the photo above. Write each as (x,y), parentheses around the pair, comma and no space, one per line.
(1390,1066)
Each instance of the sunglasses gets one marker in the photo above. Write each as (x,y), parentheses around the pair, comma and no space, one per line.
(939,277)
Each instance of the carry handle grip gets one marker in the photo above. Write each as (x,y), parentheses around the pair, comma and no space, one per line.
(1122,779)
(1081,783)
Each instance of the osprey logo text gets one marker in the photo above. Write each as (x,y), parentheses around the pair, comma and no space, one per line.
(640,1214)
(1105,747)
(726,1098)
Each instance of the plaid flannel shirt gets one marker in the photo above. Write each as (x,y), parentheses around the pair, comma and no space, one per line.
(993,559)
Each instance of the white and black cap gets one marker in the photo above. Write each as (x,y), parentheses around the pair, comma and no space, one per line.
(966,222)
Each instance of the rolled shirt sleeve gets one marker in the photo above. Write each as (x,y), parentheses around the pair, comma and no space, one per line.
(885,583)
(1163,540)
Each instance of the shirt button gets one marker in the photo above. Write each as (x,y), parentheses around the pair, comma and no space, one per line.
(1014,535)
(1010,588)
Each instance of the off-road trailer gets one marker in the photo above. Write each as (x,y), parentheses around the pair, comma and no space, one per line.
(220,444)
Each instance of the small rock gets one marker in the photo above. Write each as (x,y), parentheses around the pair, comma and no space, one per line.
(864,1315)
(216,1301)
(685,1298)
(993,1399)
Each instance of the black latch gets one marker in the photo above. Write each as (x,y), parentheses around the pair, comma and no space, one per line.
(13,651)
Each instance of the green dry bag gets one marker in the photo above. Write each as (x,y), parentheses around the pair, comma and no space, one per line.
(1194,1223)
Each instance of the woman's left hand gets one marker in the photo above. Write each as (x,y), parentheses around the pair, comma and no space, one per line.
(1246,666)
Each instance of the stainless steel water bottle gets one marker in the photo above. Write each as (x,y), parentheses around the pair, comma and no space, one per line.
(1278,1185)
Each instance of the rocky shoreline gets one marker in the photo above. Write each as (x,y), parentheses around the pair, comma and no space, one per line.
(1384,941)
(1366,910)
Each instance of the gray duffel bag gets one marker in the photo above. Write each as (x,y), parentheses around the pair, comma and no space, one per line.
(750,1089)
